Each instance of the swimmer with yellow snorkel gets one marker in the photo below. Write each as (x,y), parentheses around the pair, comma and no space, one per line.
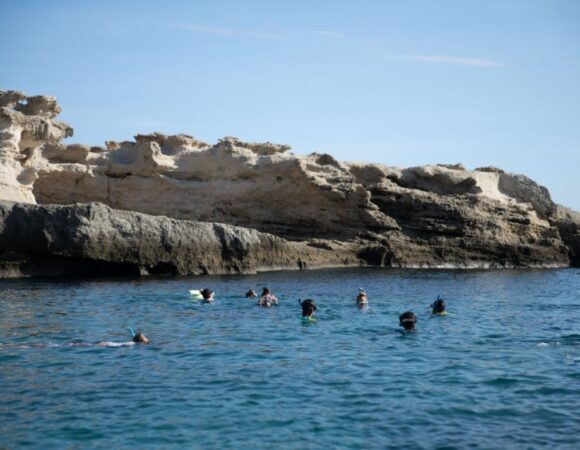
(308,309)
(439,307)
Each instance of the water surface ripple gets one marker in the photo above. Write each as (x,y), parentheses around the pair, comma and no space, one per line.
(501,371)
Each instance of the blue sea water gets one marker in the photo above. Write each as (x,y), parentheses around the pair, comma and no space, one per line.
(502,370)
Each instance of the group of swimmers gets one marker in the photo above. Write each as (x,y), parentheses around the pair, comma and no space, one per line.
(407,320)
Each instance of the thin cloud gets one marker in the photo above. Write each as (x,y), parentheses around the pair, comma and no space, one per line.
(327,33)
(232,32)
(454,60)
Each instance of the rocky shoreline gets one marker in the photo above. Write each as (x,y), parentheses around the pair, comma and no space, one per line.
(93,239)
(175,205)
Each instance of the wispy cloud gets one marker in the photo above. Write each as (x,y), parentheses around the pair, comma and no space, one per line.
(327,33)
(218,31)
(454,60)
(273,31)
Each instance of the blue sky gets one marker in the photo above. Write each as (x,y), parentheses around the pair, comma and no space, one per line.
(401,82)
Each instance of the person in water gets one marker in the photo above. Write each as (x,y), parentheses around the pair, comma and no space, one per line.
(251,294)
(138,338)
(361,299)
(207,295)
(308,308)
(439,307)
(267,299)
(408,321)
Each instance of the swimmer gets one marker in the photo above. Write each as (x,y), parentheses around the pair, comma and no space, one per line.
(408,320)
(137,338)
(439,307)
(251,294)
(308,308)
(267,299)
(361,299)
(140,338)
(207,295)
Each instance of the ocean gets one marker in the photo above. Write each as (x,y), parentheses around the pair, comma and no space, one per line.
(501,370)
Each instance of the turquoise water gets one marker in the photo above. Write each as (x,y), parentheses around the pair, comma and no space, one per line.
(501,371)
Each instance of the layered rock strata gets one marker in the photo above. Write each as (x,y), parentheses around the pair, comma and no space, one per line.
(93,239)
(369,214)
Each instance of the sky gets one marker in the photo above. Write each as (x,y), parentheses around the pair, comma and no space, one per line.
(399,82)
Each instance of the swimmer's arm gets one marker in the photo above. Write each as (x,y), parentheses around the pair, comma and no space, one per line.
(115,344)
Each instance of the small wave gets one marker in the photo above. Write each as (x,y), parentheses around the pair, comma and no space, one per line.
(502,381)
(570,339)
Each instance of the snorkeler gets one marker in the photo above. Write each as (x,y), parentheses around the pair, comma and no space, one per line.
(408,320)
(204,294)
(267,299)
(439,307)
(308,308)
(136,338)
(361,298)
(140,338)
(251,293)
(207,295)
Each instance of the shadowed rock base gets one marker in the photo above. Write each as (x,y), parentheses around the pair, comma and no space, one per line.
(95,240)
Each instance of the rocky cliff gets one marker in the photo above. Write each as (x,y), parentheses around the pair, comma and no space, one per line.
(428,216)
(93,239)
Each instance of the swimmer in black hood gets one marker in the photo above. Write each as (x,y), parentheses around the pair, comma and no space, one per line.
(207,294)
(408,320)
(439,307)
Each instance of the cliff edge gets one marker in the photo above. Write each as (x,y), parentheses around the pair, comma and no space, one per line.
(369,214)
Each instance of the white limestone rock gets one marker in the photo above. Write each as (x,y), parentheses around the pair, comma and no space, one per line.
(433,215)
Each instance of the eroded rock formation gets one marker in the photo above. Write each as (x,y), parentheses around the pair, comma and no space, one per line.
(428,216)
(26,124)
(93,239)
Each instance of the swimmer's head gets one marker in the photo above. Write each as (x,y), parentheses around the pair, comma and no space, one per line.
(206,293)
(265,291)
(408,320)
(439,306)
(308,307)
(251,294)
(140,338)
